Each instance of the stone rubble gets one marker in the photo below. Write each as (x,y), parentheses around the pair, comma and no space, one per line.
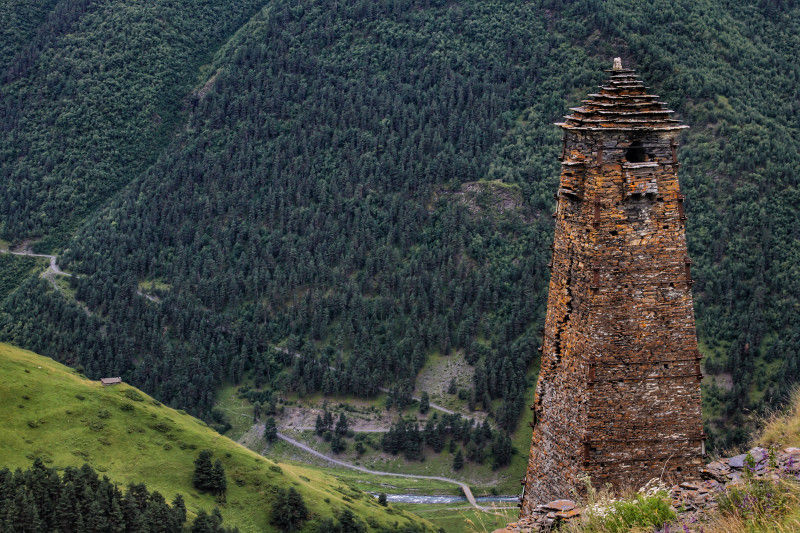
(693,500)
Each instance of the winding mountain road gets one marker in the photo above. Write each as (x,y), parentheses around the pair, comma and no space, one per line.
(52,270)
(308,449)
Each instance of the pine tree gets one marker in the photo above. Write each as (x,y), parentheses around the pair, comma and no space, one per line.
(209,523)
(203,478)
(270,429)
(219,482)
(458,460)
(39,500)
(502,450)
(338,444)
(424,403)
(350,524)
(289,510)
(341,425)
(179,509)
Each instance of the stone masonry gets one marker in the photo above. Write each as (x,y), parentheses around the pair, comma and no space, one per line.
(618,396)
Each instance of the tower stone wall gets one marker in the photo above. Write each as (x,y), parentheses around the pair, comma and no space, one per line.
(618,396)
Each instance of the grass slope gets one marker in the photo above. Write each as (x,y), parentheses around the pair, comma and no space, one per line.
(48,410)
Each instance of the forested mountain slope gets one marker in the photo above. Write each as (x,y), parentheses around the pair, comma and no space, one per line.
(316,196)
(91,90)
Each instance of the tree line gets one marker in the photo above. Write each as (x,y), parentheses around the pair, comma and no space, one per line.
(40,499)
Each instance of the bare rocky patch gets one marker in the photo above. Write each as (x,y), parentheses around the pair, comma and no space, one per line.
(490,198)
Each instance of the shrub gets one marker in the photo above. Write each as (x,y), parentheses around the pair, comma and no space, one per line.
(161,427)
(650,511)
(133,395)
(759,501)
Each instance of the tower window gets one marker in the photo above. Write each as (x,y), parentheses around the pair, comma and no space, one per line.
(636,153)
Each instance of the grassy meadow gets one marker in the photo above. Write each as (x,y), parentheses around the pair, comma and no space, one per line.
(48,410)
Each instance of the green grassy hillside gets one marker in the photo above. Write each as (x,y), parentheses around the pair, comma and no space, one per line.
(47,410)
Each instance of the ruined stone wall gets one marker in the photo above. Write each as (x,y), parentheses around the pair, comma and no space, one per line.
(618,397)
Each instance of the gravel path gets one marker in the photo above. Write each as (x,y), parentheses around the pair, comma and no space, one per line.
(308,449)
(52,270)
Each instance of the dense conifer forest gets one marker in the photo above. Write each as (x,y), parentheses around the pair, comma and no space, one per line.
(367,183)
(40,499)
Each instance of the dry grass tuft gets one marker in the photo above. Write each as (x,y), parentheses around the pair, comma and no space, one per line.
(783,428)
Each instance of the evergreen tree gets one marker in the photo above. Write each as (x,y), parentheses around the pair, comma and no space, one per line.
(219,483)
(38,499)
(502,450)
(210,523)
(458,460)
(338,444)
(270,430)
(349,523)
(424,403)
(179,509)
(341,425)
(203,478)
(289,510)
(327,420)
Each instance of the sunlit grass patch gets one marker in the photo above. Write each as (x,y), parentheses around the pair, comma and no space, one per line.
(647,510)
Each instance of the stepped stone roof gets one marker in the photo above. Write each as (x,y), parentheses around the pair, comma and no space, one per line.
(622,104)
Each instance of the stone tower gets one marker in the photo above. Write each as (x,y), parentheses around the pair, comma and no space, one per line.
(618,397)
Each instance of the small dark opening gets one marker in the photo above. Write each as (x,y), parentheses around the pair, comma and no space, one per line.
(636,153)
(613,232)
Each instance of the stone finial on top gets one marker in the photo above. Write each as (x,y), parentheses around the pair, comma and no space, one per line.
(617,63)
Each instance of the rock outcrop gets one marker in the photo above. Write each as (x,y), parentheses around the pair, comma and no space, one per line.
(694,501)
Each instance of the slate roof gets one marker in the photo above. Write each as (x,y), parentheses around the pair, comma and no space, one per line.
(623,104)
